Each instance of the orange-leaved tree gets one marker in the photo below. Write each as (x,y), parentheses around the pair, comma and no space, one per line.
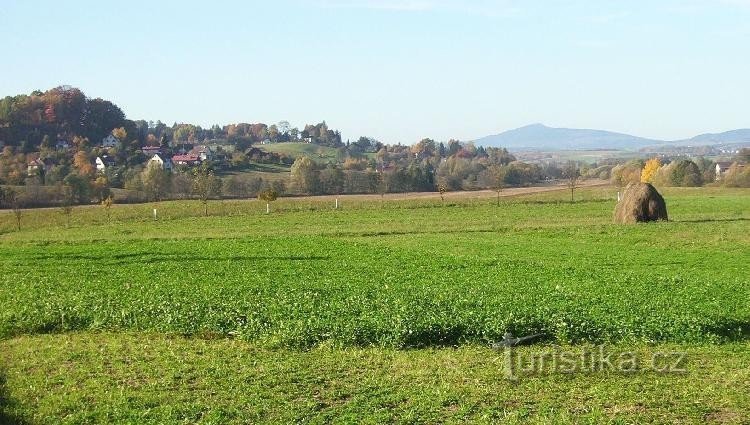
(649,170)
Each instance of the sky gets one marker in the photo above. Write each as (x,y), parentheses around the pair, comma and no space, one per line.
(395,70)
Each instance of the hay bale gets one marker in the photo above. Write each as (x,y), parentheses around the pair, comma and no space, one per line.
(640,202)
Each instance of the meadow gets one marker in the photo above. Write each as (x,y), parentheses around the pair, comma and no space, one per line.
(321,311)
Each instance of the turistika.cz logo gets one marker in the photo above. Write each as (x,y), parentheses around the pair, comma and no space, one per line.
(519,363)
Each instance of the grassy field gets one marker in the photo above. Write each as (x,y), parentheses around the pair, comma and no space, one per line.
(316,152)
(378,311)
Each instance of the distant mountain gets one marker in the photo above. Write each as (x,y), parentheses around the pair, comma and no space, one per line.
(539,136)
(733,136)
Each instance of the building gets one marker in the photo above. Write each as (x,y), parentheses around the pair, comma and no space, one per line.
(186,159)
(110,141)
(62,144)
(36,167)
(721,168)
(203,152)
(161,162)
(103,162)
(151,150)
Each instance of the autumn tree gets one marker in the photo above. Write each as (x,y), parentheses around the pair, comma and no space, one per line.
(269,195)
(82,163)
(15,202)
(571,174)
(156,182)
(494,178)
(442,189)
(624,174)
(79,188)
(649,170)
(100,188)
(120,133)
(304,176)
(205,185)
(107,205)
(67,202)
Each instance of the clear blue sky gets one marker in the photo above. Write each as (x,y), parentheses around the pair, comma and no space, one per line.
(397,70)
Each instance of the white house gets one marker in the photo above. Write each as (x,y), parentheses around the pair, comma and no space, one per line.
(103,162)
(161,162)
(110,141)
(35,167)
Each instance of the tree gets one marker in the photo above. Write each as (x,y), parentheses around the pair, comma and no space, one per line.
(156,182)
(685,173)
(82,162)
(100,188)
(269,195)
(737,176)
(67,202)
(120,133)
(107,205)
(442,188)
(382,184)
(304,176)
(205,185)
(571,174)
(494,177)
(331,180)
(624,174)
(16,203)
(649,170)
(80,188)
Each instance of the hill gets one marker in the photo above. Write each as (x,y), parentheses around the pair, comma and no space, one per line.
(539,136)
(732,136)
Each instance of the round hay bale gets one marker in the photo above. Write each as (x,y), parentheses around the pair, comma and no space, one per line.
(640,203)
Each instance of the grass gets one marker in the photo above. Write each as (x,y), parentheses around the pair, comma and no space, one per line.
(377,312)
(318,153)
(148,378)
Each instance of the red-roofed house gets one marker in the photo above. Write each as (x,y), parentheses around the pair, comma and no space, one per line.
(186,159)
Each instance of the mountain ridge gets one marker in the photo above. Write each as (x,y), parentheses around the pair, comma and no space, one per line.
(539,136)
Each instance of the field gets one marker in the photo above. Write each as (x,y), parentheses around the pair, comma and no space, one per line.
(382,310)
(294,149)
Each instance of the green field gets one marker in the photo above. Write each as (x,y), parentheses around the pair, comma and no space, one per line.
(318,153)
(378,311)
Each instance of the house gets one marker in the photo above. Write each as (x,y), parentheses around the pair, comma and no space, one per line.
(151,150)
(62,144)
(110,141)
(203,152)
(103,162)
(186,159)
(36,167)
(722,167)
(162,162)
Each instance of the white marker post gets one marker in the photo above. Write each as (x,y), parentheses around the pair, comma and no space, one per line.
(154,213)
(337,203)
(268,208)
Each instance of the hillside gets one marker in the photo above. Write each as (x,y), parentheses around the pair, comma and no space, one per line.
(732,136)
(294,149)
